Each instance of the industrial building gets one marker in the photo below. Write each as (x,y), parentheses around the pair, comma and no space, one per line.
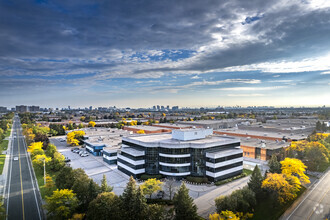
(182,153)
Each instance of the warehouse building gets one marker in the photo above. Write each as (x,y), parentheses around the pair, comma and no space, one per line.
(182,153)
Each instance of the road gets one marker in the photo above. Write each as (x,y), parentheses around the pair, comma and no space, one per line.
(22,200)
(315,204)
(205,203)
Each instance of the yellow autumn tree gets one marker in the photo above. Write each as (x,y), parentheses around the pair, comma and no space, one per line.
(150,186)
(230,216)
(280,185)
(62,204)
(49,184)
(35,149)
(73,138)
(140,132)
(292,166)
(39,160)
(91,124)
(133,122)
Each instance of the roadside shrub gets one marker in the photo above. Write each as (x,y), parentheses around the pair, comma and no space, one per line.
(196,179)
(221,182)
(160,201)
(146,177)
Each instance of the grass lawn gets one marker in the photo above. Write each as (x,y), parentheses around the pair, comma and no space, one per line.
(3,147)
(266,209)
(2,162)
(40,178)
(247,172)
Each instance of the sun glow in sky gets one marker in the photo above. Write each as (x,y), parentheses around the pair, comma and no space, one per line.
(186,53)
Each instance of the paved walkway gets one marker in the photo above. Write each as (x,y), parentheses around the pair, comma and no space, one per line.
(205,203)
(3,176)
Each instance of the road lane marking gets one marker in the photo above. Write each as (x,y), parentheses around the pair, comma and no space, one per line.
(20,174)
(34,191)
(318,203)
(320,180)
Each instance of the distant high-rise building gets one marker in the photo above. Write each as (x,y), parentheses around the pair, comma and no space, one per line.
(162,108)
(168,107)
(69,107)
(154,108)
(21,108)
(175,108)
(158,107)
(3,109)
(90,108)
(33,108)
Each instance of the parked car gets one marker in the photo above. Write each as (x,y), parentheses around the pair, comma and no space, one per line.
(75,148)
(84,155)
(67,160)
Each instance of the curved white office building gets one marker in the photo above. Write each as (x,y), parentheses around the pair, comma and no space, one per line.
(188,152)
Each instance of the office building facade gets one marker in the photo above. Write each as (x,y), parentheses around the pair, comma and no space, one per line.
(187,152)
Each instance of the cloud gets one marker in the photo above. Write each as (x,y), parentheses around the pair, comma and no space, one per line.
(251,88)
(74,42)
(246,95)
(325,73)
(195,77)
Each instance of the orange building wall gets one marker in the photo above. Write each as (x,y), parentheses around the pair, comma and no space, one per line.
(248,151)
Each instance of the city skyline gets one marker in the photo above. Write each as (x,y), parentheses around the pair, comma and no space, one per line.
(130,54)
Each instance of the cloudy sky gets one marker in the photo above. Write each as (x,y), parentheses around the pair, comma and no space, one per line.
(173,52)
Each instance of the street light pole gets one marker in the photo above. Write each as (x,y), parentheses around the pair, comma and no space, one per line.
(44,171)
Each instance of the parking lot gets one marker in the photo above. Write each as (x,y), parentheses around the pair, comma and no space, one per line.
(94,166)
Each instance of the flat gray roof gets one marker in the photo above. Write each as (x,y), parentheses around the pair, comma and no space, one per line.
(166,138)
(267,144)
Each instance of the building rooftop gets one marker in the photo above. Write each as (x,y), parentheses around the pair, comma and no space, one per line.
(164,139)
(267,144)
(146,127)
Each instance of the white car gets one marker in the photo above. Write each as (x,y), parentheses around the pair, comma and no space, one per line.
(15,158)
(84,155)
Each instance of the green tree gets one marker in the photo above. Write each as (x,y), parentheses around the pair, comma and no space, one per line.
(255,181)
(274,165)
(140,204)
(61,204)
(150,186)
(85,188)
(57,162)
(105,206)
(130,201)
(317,156)
(318,126)
(2,209)
(242,200)
(51,149)
(156,212)
(65,180)
(184,206)
(104,185)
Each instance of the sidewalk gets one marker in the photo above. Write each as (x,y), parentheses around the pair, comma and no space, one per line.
(3,176)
